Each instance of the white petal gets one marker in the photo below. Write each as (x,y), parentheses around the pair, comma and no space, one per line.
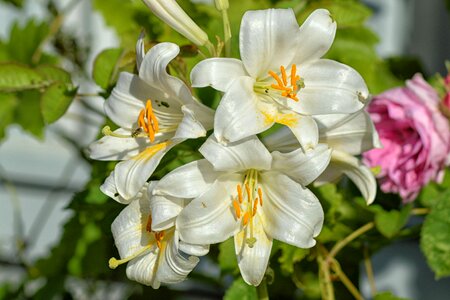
(290,213)
(114,148)
(217,73)
(190,127)
(154,71)
(109,188)
(267,40)
(248,153)
(210,218)
(202,113)
(238,114)
(304,128)
(253,261)
(187,181)
(143,269)
(302,166)
(316,36)
(330,87)
(173,266)
(140,49)
(193,249)
(354,136)
(361,175)
(282,140)
(130,175)
(165,209)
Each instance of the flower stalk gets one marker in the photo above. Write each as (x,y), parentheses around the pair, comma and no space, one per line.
(222,6)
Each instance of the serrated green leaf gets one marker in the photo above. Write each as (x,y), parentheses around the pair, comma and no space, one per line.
(15,77)
(227,256)
(55,101)
(435,237)
(289,256)
(105,67)
(8,103)
(27,113)
(389,223)
(54,74)
(433,192)
(24,41)
(239,290)
(387,296)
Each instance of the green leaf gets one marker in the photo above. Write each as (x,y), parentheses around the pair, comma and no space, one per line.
(24,41)
(389,223)
(239,290)
(432,193)
(55,101)
(289,256)
(27,113)
(387,296)
(435,237)
(227,256)
(8,104)
(53,74)
(105,67)
(15,77)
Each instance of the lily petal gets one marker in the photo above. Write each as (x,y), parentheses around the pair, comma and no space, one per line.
(140,50)
(130,175)
(362,177)
(253,261)
(193,249)
(217,73)
(330,87)
(164,210)
(143,269)
(248,153)
(302,166)
(282,140)
(316,36)
(189,127)
(238,114)
(109,188)
(188,181)
(210,218)
(303,127)
(173,266)
(267,39)
(114,148)
(290,213)
(154,71)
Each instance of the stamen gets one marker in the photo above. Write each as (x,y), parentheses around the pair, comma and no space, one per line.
(107,131)
(255,207)
(289,92)
(260,196)
(158,237)
(148,121)
(246,217)
(276,77)
(283,74)
(237,209)
(294,75)
(149,224)
(247,188)
(239,191)
(114,262)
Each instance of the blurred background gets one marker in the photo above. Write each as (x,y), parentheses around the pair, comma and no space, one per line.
(39,177)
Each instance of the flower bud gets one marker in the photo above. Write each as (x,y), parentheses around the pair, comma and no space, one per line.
(171,13)
(221,4)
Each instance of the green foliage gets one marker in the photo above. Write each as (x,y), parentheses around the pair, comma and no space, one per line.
(227,257)
(106,66)
(435,237)
(239,290)
(433,192)
(389,223)
(289,256)
(15,77)
(8,104)
(55,101)
(387,296)
(27,113)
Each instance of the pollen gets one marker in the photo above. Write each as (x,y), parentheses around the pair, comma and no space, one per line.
(282,83)
(148,121)
(237,209)
(245,218)
(239,191)
(260,196)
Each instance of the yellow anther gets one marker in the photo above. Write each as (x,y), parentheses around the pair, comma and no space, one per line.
(245,219)
(148,227)
(158,237)
(260,196)
(247,188)
(237,209)
(283,74)
(239,191)
(294,75)
(255,207)
(148,121)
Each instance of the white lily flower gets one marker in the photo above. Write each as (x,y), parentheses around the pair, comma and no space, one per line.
(155,111)
(280,77)
(147,240)
(347,135)
(244,191)
(173,15)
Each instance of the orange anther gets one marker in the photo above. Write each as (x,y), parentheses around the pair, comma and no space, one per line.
(141,121)
(246,217)
(260,196)
(158,243)
(239,191)
(294,75)
(255,207)
(247,188)
(281,88)
(237,209)
(148,227)
(276,77)
(283,75)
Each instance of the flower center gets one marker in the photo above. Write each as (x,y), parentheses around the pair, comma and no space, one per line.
(286,86)
(148,121)
(245,209)
(159,237)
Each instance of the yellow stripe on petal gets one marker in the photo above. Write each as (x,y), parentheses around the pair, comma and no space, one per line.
(289,119)
(151,151)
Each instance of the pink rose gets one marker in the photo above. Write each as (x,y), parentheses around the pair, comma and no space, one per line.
(415,137)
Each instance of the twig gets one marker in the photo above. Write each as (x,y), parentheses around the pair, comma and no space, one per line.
(369,271)
(324,275)
(344,279)
(335,250)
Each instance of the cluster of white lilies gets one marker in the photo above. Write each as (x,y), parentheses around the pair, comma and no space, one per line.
(250,189)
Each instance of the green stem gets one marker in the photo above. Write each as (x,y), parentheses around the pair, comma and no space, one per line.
(261,290)
(226,33)
(326,285)
(335,250)
(420,211)
(344,279)
(369,272)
